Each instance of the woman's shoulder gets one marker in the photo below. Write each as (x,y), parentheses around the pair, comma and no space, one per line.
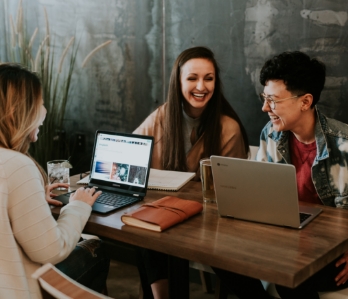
(12,161)
(158,114)
(153,121)
(229,125)
(14,157)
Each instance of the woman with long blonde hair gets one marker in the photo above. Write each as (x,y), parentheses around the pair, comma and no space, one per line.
(29,235)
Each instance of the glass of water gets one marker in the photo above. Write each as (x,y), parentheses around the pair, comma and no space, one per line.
(58,172)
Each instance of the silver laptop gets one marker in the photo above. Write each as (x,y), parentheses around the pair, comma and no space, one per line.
(259,191)
(120,167)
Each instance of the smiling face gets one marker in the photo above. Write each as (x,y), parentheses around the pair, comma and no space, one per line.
(197,80)
(287,115)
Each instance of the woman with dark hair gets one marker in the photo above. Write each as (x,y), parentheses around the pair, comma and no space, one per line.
(29,235)
(195,122)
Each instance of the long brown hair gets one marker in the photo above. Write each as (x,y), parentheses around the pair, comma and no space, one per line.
(20,103)
(174,157)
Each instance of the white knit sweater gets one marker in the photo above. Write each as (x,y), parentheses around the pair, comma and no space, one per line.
(29,235)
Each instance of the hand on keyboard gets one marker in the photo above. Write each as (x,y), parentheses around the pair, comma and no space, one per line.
(87,195)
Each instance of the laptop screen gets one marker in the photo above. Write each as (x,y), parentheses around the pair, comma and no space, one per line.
(121,161)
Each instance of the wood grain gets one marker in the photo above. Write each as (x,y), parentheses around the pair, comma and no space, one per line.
(276,254)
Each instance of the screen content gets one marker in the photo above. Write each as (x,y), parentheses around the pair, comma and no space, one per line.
(122,159)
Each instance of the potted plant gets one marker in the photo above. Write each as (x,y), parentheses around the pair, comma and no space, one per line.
(56,76)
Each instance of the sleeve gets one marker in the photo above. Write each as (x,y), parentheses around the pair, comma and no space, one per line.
(262,152)
(232,139)
(42,238)
(148,125)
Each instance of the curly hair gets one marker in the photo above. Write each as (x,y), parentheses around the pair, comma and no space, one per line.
(300,73)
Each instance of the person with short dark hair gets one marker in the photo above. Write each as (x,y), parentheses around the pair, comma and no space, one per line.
(316,145)
(299,134)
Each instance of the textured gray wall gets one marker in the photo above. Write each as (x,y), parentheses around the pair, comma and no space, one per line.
(127,80)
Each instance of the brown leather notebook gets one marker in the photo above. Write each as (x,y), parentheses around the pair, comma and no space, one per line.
(163,213)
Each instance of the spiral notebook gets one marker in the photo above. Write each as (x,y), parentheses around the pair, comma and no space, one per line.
(161,179)
(168,180)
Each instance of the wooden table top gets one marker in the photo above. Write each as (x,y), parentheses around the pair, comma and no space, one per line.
(276,254)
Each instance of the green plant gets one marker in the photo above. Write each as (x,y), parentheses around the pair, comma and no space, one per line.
(56,80)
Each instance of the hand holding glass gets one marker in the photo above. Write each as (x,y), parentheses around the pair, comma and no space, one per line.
(58,172)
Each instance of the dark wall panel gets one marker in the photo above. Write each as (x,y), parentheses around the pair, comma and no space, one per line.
(243,34)
(127,80)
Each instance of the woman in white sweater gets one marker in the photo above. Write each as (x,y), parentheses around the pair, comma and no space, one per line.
(29,235)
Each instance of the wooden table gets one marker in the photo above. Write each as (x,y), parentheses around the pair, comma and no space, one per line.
(279,255)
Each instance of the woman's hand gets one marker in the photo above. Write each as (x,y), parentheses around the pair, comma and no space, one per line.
(50,195)
(87,195)
(342,277)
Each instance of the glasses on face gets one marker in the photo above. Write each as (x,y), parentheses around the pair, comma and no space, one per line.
(272,103)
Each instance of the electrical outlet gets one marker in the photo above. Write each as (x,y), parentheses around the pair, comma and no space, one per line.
(80,142)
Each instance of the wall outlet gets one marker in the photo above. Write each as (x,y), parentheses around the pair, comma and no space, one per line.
(80,142)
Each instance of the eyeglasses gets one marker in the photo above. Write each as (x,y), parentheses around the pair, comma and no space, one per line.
(272,103)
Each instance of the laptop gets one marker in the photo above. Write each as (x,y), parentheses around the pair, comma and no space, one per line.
(120,168)
(259,191)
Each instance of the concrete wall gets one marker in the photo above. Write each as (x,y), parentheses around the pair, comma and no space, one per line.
(127,80)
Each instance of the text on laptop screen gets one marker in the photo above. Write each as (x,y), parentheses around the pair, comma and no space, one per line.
(122,159)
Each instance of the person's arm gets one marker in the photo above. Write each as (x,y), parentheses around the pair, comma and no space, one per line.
(232,139)
(262,152)
(147,127)
(41,237)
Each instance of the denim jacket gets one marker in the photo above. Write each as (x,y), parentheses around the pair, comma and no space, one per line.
(330,166)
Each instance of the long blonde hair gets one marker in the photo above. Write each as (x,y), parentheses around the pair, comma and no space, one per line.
(20,104)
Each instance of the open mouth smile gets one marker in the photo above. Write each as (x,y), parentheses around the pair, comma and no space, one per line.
(274,118)
(199,95)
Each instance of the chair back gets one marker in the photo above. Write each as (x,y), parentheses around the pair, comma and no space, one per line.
(55,284)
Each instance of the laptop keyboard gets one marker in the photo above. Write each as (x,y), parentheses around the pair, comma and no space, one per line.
(304,216)
(115,200)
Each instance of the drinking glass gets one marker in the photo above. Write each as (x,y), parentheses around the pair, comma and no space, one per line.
(58,172)
(207,180)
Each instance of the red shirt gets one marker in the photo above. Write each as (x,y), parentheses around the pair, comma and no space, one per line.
(302,157)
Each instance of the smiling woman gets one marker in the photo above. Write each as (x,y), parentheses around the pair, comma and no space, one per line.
(195,122)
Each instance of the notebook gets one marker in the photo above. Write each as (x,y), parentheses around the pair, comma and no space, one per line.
(120,168)
(259,191)
(168,180)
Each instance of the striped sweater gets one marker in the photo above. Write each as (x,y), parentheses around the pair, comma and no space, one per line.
(29,235)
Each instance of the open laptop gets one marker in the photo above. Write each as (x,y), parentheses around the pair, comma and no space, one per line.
(259,191)
(120,168)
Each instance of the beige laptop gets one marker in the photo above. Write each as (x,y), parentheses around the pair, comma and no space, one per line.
(259,191)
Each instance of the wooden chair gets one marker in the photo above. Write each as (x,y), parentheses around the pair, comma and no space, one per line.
(55,284)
